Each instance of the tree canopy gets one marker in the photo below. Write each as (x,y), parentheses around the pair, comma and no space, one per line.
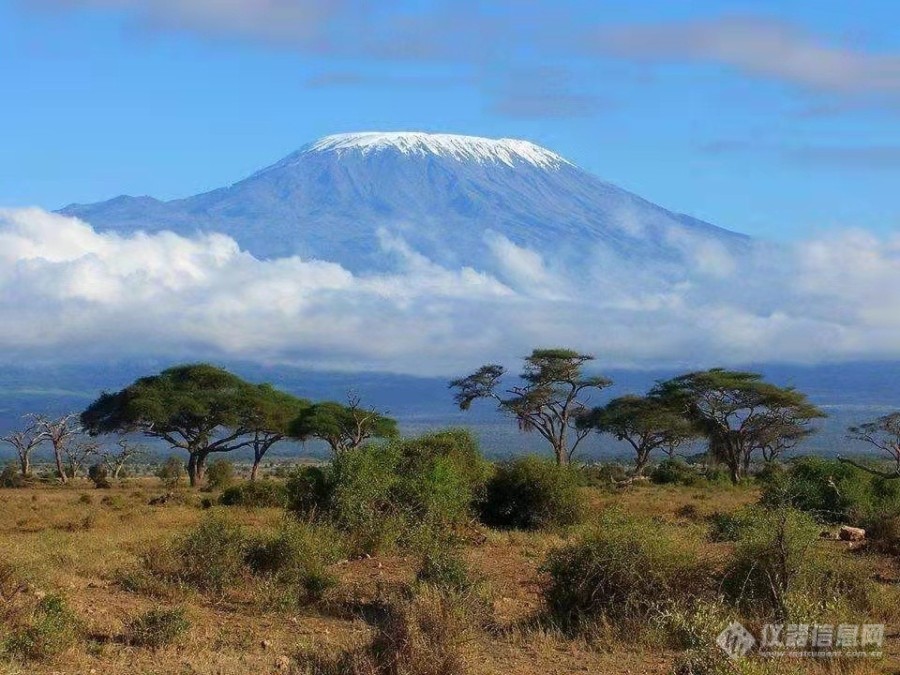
(198,408)
(343,426)
(884,434)
(553,394)
(646,423)
(739,413)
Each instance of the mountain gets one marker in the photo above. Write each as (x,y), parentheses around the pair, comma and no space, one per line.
(453,199)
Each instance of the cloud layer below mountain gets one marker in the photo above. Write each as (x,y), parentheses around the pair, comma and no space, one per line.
(71,294)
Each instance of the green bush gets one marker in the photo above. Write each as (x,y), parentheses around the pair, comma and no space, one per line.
(780,571)
(171,473)
(728,526)
(625,571)
(445,568)
(10,477)
(157,628)
(296,560)
(530,493)
(675,472)
(209,558)
(99,476)
(379,493)
(50,630)
(255,494)
(219,474)
(831,491)
(604,476)
(441,475)
(307,490)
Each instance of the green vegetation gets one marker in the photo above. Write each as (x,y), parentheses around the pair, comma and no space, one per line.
(623,571)
(157,628)
(418,556)
(529,493)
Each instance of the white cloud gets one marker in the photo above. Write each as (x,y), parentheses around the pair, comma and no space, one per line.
(69,293)
(760,47)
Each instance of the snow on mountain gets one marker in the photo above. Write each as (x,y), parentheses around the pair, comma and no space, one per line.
(372,201)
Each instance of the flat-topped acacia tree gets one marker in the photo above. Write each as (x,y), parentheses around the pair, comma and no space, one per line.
(646,423)
(553,395)
(740,414)
(343,426)
(198,408)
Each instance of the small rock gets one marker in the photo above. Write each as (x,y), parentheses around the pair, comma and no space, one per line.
(266,644)
(848,533)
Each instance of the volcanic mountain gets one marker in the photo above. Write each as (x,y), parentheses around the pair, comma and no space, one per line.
(361,199)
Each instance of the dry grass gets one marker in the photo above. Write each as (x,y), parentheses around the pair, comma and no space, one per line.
(61,542)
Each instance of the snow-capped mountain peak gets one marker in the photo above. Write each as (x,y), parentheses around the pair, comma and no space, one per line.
(508,151)
(456,200)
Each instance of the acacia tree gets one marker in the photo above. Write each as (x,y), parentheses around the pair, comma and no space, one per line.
(268,415)
(25,442)
(739,413)
(60,432)
(646,423)
(343,427)
(554,394)
(197,408)
(884,434)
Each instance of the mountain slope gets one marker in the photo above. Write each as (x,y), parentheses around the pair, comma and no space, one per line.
(450,198)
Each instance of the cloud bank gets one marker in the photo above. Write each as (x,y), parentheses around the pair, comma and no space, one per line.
(71,294)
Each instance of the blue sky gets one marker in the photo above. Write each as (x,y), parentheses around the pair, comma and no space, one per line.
(779,119)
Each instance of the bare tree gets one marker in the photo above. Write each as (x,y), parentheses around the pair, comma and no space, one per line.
(76,454)
(25,442)
(60,432)
(115,461)
(884,434)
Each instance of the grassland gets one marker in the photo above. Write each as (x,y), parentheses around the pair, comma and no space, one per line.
(82,543)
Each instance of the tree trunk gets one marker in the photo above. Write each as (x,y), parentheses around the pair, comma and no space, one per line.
(25,462)
(60,469)
(254,471)
(640,463)
(562,456)
(195,467)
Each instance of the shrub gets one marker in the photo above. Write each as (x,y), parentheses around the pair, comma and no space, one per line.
(530,493)
(675,472)
(379,493)
(445,568)
(296,559)
(605,476)
(219,474)
(209,558)
(99,476)
(780,571)
(157,628)
(51,629)
(10,477)
(624,570)
(171,473)
(884,533)
(728,526)
(441,475)
(255,494)
(307,490)
(422,635)
(829,490)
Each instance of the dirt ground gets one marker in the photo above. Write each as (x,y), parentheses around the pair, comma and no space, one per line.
(77,540)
